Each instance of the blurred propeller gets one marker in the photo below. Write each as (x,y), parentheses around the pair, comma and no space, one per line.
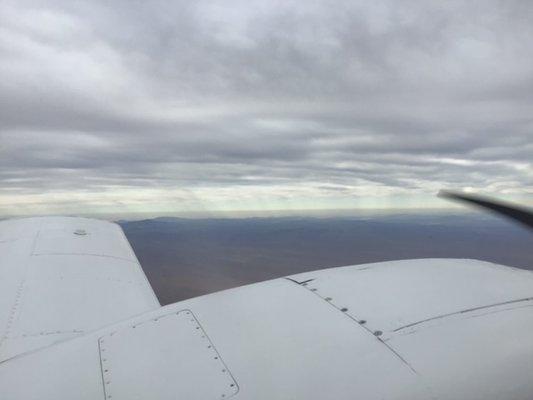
(517,213)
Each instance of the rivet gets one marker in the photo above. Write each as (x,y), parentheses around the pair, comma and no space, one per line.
(314,290)
(344,309)
(216,358)
(378,333)
(328,299)
(362,321)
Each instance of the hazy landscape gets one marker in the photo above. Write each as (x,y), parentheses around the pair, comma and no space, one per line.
(184,257)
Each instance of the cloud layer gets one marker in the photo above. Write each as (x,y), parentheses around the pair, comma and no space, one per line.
(181,105)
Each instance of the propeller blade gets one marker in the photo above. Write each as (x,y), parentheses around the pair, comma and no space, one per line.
(517,213)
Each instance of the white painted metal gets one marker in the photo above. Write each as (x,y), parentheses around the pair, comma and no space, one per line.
(56,284)
(389,296)
(278,340)
(140,359)
(486,355)
(452,329)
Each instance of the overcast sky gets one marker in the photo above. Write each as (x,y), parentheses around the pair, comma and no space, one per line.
(222,105)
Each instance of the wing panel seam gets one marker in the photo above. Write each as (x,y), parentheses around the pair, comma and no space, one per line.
(465,311)
(358,322)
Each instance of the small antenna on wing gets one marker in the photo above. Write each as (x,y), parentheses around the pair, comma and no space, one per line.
(516,213)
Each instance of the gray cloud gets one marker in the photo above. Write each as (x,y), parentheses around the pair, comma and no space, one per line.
(262,104)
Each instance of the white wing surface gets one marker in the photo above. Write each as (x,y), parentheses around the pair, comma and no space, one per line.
(61,277)
(409,330)
(406,330)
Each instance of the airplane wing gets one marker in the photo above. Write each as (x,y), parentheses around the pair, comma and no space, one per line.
(410,330)
(62,277)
